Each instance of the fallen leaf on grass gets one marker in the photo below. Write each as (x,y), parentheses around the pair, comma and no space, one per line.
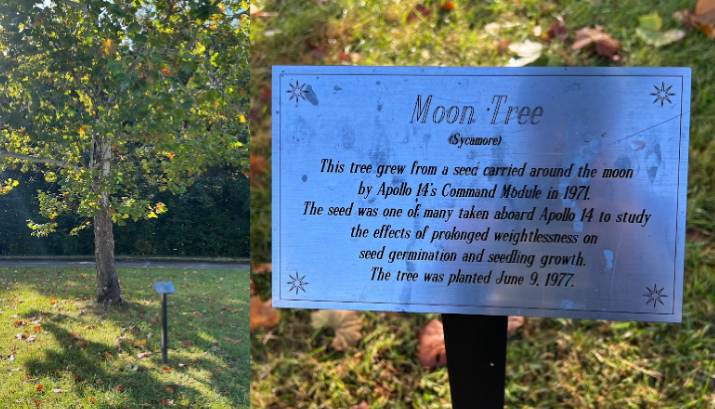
(432,352)
(346,324)
(649,31)
(529,51)
(448,6)
(78,379)
(606,46)
(39,388)
(259,167)
(261,268)
(419,9)
(514,324)
(166,369)
(187,343)
(170,388)
(362,405)
(59,391)
(144,355)
(558,31)
(703,18)
(263,314)
(91,400)
(169,402)
(119,388)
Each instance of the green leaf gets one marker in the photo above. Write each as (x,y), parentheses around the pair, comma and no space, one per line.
(659,39)
(651,22)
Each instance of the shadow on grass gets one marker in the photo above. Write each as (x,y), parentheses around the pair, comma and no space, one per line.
(85,361)
(216,360)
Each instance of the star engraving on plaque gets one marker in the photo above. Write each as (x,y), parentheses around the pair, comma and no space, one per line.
(296,283)
(297,92)
(662,94)
(655,295)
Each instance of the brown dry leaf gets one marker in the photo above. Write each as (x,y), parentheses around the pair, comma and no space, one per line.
(346,324)
(362,405)
(263,314)
(260,268)
(605,45)
(259,167)
(419,9)
(166,369)
(187,343)
(514,324)
(704,17)
(558,31)
(432,352)
(169,402)
(705,6)
(119,388)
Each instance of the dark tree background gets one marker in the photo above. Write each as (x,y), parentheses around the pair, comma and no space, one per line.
(211,219)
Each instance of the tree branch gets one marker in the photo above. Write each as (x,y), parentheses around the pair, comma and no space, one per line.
(76,5)
(35,159)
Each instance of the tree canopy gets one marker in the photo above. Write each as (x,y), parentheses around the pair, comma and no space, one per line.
(105,97)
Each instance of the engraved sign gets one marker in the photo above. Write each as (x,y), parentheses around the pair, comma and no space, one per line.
(553,192)
(164,288)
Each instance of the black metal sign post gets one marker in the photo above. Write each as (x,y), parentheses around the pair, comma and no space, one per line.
(164,289)
(476,359)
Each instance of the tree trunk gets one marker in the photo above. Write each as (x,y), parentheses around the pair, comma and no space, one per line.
(108,291)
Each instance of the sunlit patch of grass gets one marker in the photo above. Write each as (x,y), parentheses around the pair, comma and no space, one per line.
(90,353)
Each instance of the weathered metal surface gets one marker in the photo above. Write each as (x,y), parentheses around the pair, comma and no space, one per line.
(588,166)
(164,288)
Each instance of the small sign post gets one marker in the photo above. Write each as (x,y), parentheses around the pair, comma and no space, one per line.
(481,193)
(164,289)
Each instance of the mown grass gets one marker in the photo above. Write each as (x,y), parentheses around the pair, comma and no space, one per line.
(551,363)
(90,352)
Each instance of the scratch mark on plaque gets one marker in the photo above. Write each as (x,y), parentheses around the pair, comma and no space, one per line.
(362,294)
(613,273)
(650,127)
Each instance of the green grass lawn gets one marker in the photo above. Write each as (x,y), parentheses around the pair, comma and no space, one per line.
(551,363)
(85,355)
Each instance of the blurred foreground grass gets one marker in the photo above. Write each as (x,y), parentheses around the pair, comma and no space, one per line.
(552,363)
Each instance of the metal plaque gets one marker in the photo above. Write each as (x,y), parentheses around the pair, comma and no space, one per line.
(553,192)
(164,288)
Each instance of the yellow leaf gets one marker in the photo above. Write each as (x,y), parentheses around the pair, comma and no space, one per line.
(81,131)
(109,47)
(242,118)
(153,215)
